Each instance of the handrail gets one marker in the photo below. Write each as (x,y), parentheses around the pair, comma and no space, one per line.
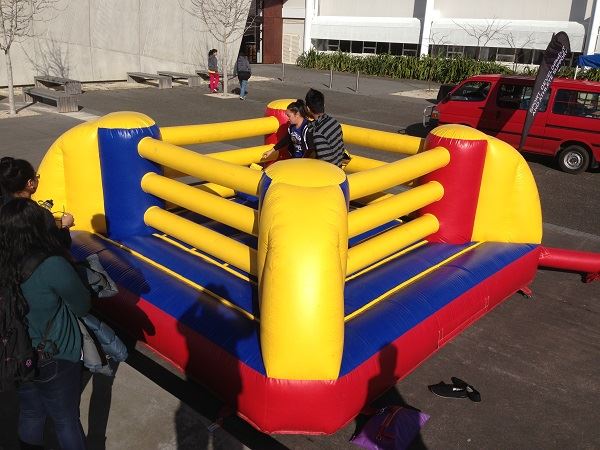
(212,206)
(399,172)
(201,166)
(202,238)
(218,132)
(382,140)
(384,244)
(376,214)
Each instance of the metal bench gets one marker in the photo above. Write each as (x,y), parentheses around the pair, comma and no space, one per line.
(64,102)
(192,80)
(70,86)
(138,77)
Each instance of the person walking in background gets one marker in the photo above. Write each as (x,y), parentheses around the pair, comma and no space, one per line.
(244,72)
(324,136)
(213,71)
(32,261)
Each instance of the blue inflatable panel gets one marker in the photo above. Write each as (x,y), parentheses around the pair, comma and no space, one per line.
(224,326)
(361,290)
(372,330)
(367,234)
(365,335)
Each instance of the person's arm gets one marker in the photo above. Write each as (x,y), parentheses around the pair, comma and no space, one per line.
(283,143)
(66,283)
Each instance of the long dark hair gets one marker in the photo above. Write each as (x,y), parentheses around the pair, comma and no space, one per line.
(298,107)
(212,51)
(14,175)
(25,229)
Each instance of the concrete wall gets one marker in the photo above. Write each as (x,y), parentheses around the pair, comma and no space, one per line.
(370,8)
(293,9)
(92,40)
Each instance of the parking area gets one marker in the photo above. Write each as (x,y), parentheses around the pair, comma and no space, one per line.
(534,361)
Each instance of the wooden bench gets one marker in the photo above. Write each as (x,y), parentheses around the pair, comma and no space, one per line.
(192,80)
(64,102)
(137,77)
(69,86)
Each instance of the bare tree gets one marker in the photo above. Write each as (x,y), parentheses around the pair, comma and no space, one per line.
(511,41)
(483,33)
(16,23)
(437,39)
(226,22)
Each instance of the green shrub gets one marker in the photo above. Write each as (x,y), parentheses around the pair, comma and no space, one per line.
(427,68)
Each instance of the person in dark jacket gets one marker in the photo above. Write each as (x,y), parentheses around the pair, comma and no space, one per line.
(244,72)
(18,179)
(55,296)
(213,71)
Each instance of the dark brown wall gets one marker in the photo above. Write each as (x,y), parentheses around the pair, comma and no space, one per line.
(272,31)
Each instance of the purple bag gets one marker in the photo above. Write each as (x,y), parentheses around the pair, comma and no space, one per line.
(392,428)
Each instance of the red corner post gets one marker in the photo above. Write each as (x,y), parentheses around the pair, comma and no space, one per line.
(461,180)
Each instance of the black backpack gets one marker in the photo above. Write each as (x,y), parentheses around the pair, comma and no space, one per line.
(18,358)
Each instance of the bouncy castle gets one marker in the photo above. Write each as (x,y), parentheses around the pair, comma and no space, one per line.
(300,293)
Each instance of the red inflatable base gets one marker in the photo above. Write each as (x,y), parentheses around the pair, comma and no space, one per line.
(313,407)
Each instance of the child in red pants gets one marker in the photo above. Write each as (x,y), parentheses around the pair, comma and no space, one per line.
(213,71)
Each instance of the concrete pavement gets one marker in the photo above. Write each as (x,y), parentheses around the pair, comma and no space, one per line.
(535,361)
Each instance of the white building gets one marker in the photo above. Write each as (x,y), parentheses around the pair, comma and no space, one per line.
(508,30)
(91,40)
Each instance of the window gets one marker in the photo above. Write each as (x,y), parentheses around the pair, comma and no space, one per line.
(410,49)
(369,47)
(472,91)
(576,103)
(357,46)
(437,51)
(320,44)
(517,96)
(506,54)
(455,51)
(383,47)
(333,45)
(345,46)
(395,48)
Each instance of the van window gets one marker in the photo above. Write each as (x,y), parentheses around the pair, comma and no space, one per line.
(518,96)
(471,91)
(576,103)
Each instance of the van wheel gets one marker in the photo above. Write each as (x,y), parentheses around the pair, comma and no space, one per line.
(574,159)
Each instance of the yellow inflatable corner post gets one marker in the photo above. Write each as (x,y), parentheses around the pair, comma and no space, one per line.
(509,207)
(302,255)
(70,173)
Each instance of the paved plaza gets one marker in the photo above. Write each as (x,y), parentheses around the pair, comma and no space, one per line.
(534,361)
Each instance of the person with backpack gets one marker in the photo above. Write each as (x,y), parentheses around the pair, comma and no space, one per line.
(18,179)
(244,72)
(37,279)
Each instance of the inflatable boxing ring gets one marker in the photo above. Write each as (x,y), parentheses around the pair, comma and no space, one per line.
(300,293)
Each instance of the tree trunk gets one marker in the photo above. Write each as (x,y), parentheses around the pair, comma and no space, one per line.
(9,78)
(225,67)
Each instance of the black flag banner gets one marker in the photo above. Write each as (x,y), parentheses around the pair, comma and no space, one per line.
(558,48)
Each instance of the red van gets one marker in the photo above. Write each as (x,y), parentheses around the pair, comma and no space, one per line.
(567,125)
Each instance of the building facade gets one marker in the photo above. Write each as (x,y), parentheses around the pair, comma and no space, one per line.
(509,31)
(94,40)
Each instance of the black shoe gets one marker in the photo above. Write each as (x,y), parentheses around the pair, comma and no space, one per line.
(448,390)
(472,393)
